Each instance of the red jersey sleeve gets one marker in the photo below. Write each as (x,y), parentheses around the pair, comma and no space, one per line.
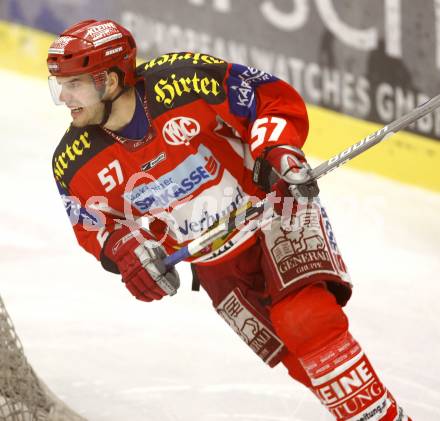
(265,110)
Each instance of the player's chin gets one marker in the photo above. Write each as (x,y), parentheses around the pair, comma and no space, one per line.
(80,120)
(78,124)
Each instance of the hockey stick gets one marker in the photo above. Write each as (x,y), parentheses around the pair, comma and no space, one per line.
(308,187)
(231,223)
(375,138)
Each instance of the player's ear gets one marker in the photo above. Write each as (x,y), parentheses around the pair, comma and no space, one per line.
(113,83)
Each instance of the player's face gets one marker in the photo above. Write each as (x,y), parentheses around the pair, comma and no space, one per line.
(80,95)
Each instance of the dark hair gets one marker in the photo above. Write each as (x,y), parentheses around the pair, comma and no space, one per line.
(120,74)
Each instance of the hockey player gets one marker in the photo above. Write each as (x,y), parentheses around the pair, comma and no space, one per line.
(158,154)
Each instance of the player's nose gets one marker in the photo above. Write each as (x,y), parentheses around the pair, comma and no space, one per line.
(65,96)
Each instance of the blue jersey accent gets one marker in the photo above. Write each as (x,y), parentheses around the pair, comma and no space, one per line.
(242,83)
(138,126)
(177,184)
(77,213)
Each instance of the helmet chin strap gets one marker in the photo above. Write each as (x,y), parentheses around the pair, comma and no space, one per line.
(108,105)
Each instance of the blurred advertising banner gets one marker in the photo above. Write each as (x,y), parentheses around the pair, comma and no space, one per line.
(372,59)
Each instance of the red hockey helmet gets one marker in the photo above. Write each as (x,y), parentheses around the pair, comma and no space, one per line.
(93,47)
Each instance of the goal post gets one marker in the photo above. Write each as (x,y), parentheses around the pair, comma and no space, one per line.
(23,396)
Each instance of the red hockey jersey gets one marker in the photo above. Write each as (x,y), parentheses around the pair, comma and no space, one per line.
(208,121)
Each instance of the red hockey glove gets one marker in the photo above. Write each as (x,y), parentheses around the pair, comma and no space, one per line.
(277,169)
(289,163)
(140,262)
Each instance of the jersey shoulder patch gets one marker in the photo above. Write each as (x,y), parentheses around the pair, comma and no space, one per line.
(76,148)
(177,79)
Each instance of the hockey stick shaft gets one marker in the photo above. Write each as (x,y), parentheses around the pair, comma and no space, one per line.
(375,138)
(233,222)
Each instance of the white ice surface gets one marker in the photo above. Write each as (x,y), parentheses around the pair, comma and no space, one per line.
(115,359)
